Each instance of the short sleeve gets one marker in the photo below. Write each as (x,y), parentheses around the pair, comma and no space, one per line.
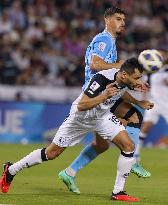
(101,46)
(97,84)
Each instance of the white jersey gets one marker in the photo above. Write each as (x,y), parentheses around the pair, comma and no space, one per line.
(98,119)
(96,86)
(159,94)
(159,90)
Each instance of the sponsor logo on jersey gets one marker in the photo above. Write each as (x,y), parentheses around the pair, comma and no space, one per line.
(109,102)
(102,46)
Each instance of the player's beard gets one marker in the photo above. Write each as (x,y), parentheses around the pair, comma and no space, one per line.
(118,33)
(131,87)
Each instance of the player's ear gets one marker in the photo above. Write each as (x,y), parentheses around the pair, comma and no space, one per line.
(106,19)
(123,75)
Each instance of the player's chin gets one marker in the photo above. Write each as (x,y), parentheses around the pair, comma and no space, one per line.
(119,32)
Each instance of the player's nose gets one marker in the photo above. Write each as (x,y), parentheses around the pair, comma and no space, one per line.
(123,25)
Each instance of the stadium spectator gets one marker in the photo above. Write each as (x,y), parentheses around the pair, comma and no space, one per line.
(59,36)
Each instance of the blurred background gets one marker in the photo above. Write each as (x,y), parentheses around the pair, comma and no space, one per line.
(42,48)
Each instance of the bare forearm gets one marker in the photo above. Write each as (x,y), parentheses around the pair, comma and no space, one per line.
(98,66)
(128,98)
(91,102)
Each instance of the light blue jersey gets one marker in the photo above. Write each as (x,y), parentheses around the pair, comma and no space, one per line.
(102,45)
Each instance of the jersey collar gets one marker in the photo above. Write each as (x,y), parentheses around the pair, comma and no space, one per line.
(105,31)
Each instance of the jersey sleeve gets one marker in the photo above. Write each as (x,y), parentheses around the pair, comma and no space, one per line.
(97,84)
(101,46)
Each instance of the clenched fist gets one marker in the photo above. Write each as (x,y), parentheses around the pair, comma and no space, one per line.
(110,90)
(146,104)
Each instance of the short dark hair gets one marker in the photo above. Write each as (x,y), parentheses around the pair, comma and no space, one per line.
(130,65)
(113,10)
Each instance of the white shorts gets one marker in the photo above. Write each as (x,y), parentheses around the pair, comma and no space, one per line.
(154,114)
(72,131)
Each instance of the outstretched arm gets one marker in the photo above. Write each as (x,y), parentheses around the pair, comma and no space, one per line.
(143,103)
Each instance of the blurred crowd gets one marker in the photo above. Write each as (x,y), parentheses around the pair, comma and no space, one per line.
(43,42)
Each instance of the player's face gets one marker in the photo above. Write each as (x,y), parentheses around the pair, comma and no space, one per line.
(134,79)
(116,23)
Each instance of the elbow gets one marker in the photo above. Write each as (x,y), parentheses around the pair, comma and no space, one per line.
(81,107)
(93,66)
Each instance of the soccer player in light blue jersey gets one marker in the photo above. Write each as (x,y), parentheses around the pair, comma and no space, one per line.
(101,54)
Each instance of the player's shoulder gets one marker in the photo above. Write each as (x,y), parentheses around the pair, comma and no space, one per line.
(103,36)
(109,74)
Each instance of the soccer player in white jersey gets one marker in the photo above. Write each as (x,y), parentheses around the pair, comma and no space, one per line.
(90,112)
(159,95)
(101,54)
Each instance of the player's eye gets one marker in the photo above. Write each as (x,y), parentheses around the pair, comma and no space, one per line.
(137,78)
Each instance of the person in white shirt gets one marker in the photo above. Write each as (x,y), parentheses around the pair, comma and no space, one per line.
(90,112)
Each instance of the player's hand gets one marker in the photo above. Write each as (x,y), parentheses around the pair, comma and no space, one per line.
(142,87)
(123,121)
(110,91)
(146,104)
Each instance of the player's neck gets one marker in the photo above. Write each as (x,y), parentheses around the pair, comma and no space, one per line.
(118,80)
(112,33)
